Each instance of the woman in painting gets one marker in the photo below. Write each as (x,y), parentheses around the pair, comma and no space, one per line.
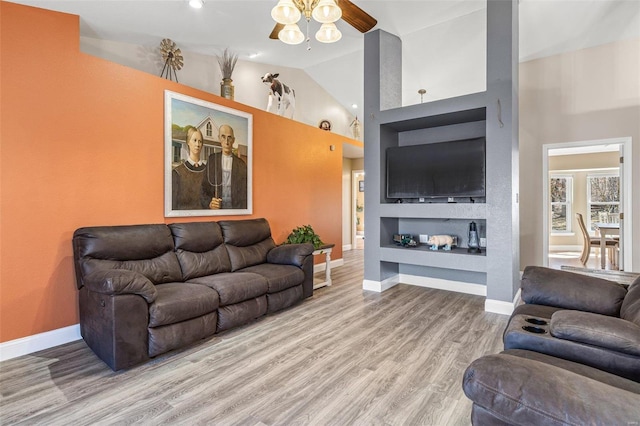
(186,178)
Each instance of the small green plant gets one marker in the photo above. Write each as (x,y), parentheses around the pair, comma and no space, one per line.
(304,234)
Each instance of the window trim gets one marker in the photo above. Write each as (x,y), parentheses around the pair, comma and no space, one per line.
(568,203)
(598,174)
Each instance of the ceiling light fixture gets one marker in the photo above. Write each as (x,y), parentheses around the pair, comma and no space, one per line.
(196,4)
(289,12)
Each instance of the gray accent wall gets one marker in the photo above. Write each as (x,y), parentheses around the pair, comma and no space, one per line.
(492,114)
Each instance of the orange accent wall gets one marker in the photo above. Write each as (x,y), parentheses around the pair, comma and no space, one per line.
(82,144)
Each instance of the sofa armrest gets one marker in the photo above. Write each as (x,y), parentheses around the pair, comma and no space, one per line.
(567,290)
(290,254)
(598,330)
(120,281)
(523,391)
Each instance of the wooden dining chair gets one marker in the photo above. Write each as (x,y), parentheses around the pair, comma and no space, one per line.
(589,242)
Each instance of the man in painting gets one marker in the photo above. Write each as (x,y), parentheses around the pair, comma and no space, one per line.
(186,178)
(225,183)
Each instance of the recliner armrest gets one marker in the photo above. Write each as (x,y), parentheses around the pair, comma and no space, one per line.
(120,281)
(598,330)
(290,254)
(567,290)
(520,391)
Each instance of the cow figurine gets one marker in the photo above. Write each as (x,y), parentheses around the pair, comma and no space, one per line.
(285,96)
(436,241)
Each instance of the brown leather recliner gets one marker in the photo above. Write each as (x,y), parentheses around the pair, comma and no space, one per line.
(572,355)
(148,289)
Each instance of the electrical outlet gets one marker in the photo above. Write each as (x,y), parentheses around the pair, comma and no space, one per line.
(424,238)
(421,200)
(483,242)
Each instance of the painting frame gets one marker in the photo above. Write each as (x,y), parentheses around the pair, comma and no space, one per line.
(181,113)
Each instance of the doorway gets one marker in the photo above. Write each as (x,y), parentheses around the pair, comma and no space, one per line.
(357,231)
(571,171)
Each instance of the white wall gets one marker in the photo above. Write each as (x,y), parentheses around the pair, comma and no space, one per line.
(313,103)
(585,95)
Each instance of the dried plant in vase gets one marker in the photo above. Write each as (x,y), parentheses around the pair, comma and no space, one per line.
(227,63)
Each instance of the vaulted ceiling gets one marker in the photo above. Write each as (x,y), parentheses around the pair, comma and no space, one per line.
(547,27)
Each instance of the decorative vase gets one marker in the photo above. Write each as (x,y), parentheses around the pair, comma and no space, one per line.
(226,88)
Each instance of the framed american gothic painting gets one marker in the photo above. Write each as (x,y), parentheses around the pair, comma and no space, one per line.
(208,158)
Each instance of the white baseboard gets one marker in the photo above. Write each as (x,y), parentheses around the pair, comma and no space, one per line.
(498,306)
(322,266)
(380,286)
(442,284)
(38,342)
(346,247)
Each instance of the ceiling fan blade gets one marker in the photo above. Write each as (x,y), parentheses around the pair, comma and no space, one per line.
(356,17)
(276,30)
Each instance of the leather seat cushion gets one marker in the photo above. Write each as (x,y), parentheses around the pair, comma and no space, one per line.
(234,287)
(284,299)
(630,309)
(279,277)
(235,315)
(181,301)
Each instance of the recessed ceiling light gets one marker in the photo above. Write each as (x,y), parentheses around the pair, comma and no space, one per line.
(354,106)
(196,4)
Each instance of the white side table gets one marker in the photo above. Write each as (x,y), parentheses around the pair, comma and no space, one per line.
(326,249)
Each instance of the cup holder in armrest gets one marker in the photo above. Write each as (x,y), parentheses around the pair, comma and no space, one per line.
(536,321)
(532,329)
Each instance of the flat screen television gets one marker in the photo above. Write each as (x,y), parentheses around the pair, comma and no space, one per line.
(437,170)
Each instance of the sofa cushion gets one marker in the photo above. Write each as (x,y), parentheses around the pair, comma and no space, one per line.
(146,249)
(283,299)
(234,287)
(598,330)
(242,257)
(242,233)
(177,302)
(279,277)
(630,309)
(200,249)
(552,287)
(167,337)
(231,316)
(539,389)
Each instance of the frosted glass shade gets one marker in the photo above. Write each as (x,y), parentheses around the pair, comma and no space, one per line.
(326,12)
(285,12)
(291,34)
(328,33)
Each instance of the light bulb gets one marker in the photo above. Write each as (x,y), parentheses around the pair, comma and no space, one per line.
(291,34)
(328,33)
(326,12)
(285,12)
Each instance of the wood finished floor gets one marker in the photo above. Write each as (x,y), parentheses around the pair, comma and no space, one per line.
(342,357)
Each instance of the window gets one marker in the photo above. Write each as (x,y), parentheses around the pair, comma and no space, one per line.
(603,198)
(561,195)
(209,129)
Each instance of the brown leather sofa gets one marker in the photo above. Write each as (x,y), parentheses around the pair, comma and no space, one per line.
(572,355)
(149,289)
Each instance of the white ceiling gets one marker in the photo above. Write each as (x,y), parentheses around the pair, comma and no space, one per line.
(547,27)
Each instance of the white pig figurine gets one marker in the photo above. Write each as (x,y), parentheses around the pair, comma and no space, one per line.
(440,240)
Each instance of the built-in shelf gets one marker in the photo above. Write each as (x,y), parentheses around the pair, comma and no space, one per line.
(435,210)
(457,258)
(445,112)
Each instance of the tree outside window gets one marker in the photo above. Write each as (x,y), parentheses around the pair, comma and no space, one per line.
(603,198)
(561,195)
